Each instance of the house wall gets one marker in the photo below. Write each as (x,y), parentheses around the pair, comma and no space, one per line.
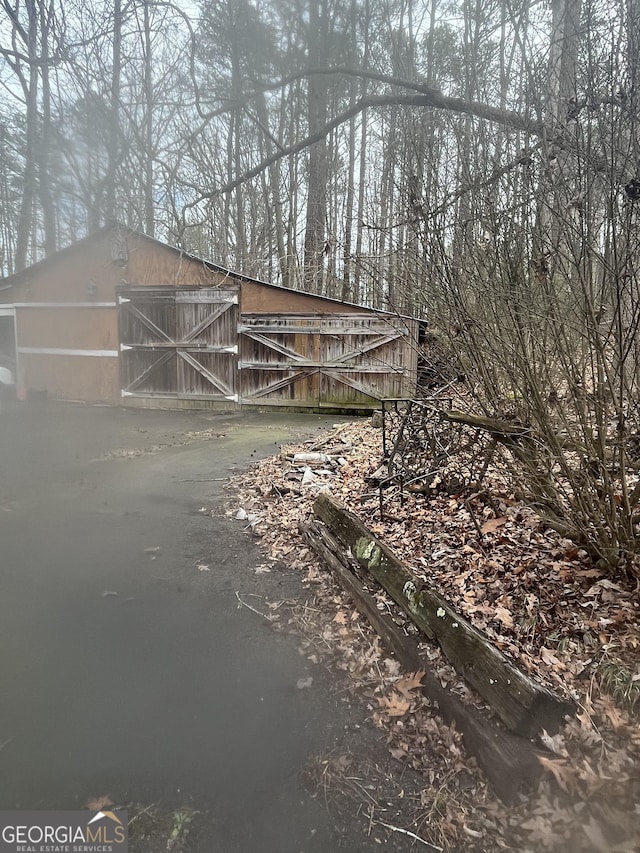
(72,328)
(72,377)
(71,354)
(263,299)
(152,263)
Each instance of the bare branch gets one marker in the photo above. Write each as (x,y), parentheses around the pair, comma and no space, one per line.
(430,98)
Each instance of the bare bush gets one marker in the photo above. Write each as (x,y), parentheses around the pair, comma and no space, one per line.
(543,322)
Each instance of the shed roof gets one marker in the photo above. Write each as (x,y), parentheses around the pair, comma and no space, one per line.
(9,282)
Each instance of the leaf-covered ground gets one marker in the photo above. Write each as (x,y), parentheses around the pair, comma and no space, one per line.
(533,593)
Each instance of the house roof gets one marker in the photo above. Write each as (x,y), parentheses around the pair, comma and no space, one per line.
(15,279)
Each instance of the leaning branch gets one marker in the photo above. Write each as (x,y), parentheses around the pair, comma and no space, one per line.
(435,98)
(423,97)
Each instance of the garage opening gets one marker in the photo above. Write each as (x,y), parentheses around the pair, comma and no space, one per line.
(8,356)
(178,342)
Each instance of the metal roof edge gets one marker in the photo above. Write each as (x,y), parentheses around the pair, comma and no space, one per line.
(11,281)
(251,280)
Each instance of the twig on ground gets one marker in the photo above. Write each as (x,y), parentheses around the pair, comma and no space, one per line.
(146,810)
(253,609)
(410,834)
(205,480)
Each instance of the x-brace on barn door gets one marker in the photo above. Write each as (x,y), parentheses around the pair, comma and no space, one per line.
(179,342)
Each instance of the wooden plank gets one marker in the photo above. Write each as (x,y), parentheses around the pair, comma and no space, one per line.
(522,704)
(339,317)
(216,381)
(380,341)
(276,346)
(140,379)
(374,393)
(134,311)
(318,365)
(206,323)
(510,763)
(273,387)
(292,329)
(178,395)
(207,296)
(194,347)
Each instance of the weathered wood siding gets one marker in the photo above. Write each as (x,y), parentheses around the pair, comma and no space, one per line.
(267,299)
(179,342)
(341,361)
(149,263)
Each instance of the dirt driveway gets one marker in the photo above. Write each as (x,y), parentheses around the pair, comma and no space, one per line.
(127,670)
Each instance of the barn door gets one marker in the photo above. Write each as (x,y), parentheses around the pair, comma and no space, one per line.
(342,361)
(179,342)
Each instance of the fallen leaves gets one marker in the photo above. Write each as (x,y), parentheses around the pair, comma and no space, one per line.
(410,683)
(492,524)
(504,616)
(549,658)
(404,697)
(96,804)
(535,594)
(395,704)
(563,773)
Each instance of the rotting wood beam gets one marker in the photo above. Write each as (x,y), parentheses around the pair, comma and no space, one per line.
(523,705)
(500,429)
(509,762)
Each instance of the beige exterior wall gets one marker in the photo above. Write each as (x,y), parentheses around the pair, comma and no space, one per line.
(264,299)
(91,379)
(69,328)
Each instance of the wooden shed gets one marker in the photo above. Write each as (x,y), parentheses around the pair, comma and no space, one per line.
(120,317)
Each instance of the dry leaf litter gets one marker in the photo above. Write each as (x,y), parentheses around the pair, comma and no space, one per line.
(535,595)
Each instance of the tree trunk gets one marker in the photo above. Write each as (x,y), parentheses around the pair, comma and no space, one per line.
(149,147)
(317,108)
(114,115)
(273,199)
(30,177)
(49,225)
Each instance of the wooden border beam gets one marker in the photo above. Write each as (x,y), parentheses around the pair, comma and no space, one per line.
(510,763)
(523,705)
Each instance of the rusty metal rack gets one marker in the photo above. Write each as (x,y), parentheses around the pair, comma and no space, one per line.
(423,452)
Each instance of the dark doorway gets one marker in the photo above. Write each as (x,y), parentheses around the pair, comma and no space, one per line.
(8,357)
